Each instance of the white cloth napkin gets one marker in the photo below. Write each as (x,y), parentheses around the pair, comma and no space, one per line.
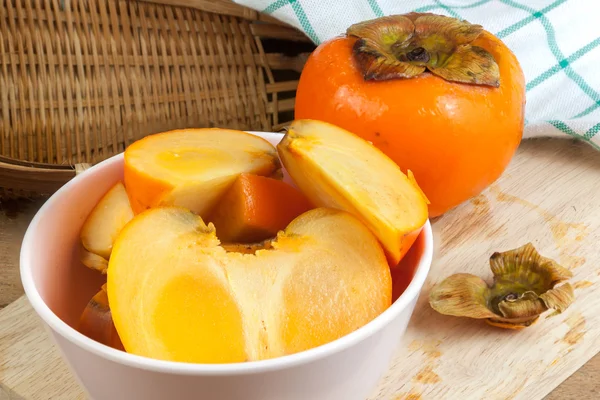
(556,41)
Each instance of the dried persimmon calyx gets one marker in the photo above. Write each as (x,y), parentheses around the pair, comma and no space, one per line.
(525,286)
(405,46)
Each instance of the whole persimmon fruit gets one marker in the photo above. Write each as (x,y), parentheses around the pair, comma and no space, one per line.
(441,97)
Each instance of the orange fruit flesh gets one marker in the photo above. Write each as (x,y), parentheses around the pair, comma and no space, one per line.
(185,298)
(193,168)
(178,294)
(255,208)
(328,297)
(106,220)
(335,168)
(216,321)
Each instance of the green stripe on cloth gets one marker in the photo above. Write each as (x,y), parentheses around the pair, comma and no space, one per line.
(564,128)
(587,89)
(592,131)
(545,75)
(448,9)
(427,8)
(580,53)
(573,57)
(534,15)
(561,126)
(274,6)
(306,26)
(562,61)
(300,14)
(436,6)
(588,110)
(515,27)
(375,7)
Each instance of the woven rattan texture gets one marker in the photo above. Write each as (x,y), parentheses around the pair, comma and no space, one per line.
(82,79)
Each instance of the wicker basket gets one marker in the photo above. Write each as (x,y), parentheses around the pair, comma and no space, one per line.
(81,79)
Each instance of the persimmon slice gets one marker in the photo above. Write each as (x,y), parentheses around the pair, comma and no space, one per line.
(193,168)
(104,223)
(335,168)
(255,208)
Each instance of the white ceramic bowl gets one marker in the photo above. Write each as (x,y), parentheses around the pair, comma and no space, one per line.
(59,287)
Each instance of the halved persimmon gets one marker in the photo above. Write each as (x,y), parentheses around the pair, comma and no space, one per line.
(184,297)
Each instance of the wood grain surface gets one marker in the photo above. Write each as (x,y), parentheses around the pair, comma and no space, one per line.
(14,219)
(547,196)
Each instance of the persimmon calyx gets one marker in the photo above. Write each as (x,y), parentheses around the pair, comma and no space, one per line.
(524,287)
(405,46)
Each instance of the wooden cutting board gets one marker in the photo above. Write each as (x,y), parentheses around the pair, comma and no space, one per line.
(548,196)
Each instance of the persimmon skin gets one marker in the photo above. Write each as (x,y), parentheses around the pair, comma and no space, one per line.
(97,324)
(255,208)
(456,138)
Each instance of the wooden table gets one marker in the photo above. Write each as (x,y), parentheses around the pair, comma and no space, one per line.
(583,384)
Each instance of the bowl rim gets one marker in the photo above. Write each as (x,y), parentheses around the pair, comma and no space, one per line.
(76,338)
